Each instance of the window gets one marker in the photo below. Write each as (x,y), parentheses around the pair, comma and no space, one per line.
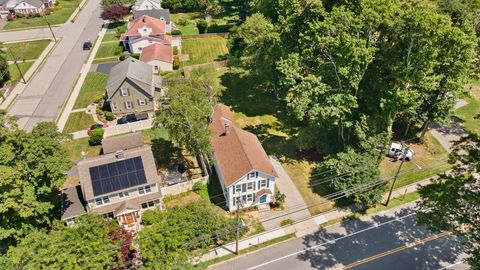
(250,186)
(123,194)
(141,101)
(150,204)
(108,215)
(252,174)
(236,200)
(102,201)
(114,106)
(250,197)
(156,68)
(263,183)
(238,188)
(124,92)
(140,48)
(128,105)
(144,190)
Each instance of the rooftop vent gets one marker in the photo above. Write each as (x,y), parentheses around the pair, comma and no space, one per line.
(119,154)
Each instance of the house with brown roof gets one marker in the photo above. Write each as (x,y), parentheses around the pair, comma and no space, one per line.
(159,56)
(144,31)
(244,170)
(120,184)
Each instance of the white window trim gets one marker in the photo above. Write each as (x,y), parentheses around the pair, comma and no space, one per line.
(102,201)
(263,183)
(128,105)
(250,197)
(142,102)
(143,190)
(251,184)
(238,188)
(114,105)
(124,92)
(123,194)
(252,175)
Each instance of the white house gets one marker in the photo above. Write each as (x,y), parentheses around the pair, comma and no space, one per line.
(26,6)
(244,170)
(144,31)
(159,56)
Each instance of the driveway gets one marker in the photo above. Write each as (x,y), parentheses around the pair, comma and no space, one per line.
(103,68)
(295,206)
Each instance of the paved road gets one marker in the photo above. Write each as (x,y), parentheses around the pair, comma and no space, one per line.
(45,94)
(380,241)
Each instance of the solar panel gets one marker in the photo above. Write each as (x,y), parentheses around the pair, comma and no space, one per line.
(117,175)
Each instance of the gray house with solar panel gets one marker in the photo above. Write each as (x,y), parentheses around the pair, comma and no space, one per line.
(132,87)
(120,184)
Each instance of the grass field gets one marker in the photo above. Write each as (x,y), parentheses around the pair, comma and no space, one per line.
(15,74)
(92,89)
(109,49)
(204,50)
(26,50)
(469,115)
(78,121)
(56,17)
(110,36)
(187,23)
(74,148)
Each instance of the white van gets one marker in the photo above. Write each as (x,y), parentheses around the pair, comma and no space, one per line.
(396,151)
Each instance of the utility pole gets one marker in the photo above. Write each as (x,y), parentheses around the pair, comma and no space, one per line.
(49,26)
(16,64)
(405,152)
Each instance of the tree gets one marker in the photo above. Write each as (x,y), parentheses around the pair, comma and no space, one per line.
(114,12)
(31,173)
(4,72)
(202,26)
(353,169)
(185,110)
(210,7)
(171,235)
(92,243)
(452,202)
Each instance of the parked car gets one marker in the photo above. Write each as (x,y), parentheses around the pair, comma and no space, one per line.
(96,126)
(397,151)
(129,118)
(87,45)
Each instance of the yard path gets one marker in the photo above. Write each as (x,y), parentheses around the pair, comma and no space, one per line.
(293,201)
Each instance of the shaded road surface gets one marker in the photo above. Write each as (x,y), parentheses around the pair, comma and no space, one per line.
(392,240)
(46,93)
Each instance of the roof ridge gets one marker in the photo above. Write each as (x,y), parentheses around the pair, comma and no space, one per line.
(241,145)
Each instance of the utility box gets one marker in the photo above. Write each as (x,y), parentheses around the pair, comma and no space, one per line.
(397,151)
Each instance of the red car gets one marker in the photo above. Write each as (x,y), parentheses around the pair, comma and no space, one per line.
(95,126)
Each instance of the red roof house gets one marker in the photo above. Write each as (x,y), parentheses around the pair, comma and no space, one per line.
(159,55)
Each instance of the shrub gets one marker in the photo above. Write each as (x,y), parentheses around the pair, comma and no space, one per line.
(135,55)
(176,32)
(286,222)
(176,62)
(48,12)
(278,200)
(20,15)
(118,50)
(175,50)
(122,57)
(183,20)
(109,116)
(202,190)
(202,26)
(37,15)
(95,138)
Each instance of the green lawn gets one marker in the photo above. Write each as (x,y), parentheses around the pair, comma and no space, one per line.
(111,36)
(92,89)
(56,17)
(186,22)
(15,74)
(204,50)
(26,50)
(469,115)
(105,60)
(109,49)
(78,121)
(74,148)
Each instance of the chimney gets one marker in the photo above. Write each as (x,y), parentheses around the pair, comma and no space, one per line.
(143,18)
(226,125)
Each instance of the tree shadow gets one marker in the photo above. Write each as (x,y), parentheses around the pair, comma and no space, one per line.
(167,155)
(331,248)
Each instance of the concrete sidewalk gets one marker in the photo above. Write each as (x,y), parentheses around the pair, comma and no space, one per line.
(62,120)
(307,226)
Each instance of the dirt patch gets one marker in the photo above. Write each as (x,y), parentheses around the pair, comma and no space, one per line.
(190,197)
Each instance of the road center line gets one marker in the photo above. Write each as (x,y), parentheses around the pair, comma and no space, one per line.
(331,241)
(395,250)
